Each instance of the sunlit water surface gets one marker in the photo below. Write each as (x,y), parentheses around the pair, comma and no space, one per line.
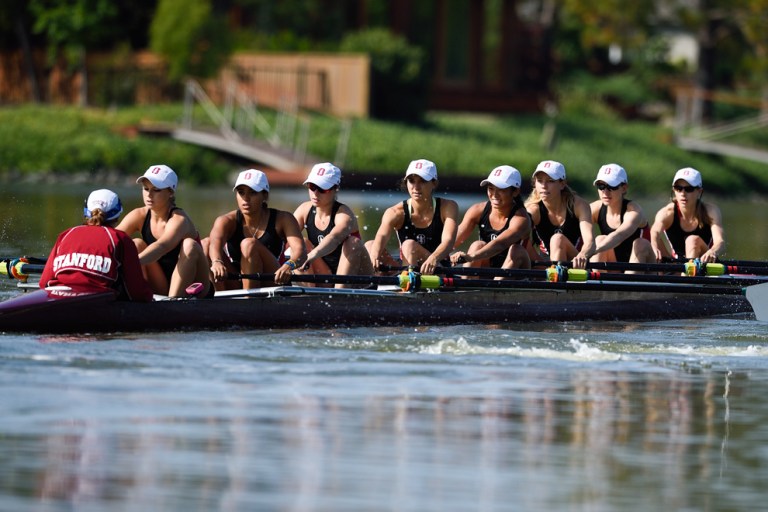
(556,416)
(647,416)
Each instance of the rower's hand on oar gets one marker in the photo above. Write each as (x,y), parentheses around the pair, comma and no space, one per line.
(218,271)
(580,261)
(283,274)
(429,266)
(460,257)
(708,257)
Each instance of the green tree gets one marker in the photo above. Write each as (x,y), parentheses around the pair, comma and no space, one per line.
(191,36)
(71,28)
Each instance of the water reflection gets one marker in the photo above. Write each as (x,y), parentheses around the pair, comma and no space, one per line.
(596,439)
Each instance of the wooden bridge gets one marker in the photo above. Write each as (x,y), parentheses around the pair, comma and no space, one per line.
(281,147)
(692,134)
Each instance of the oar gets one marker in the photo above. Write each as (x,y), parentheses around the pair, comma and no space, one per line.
(727,263)
(571,274)
(690,268)
(743,263)
(561,273)
(27,259)
(757,296)
(412,281)
(19,268)
(325,279)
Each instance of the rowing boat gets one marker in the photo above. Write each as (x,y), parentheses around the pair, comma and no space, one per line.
(306,307)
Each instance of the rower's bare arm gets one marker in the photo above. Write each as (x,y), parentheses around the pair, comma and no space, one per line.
(519,229)
(288,228)
(468,224)
(450,212)
(132,222)
(450,215)
(222,229)
(632,221)
(584,214)
(466,228)
(391,219)
(343,227)
(176,230)
(661,223)
(718,233)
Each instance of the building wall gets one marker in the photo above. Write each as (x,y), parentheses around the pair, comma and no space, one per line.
(332,83)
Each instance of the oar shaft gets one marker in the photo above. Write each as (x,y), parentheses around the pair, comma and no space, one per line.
(20,270)
(325,279)
(583,275)
(711,269)
(416,282)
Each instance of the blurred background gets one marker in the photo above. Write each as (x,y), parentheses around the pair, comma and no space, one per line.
(290,82)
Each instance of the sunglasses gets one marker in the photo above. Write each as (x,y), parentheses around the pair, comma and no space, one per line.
(603,186)
(687,189)
(315,188)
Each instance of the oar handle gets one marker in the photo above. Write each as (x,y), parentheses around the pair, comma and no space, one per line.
(19,268)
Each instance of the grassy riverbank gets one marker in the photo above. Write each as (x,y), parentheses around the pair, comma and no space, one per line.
(103,146)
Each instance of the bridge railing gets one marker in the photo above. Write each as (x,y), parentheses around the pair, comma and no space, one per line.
(239,120)
(732,124)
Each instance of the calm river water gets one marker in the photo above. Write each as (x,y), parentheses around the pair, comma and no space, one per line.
(558,416)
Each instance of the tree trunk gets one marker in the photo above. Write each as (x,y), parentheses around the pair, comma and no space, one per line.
(705,73)
(83,93)
(29,63)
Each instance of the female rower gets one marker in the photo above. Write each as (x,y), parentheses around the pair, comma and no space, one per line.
(562,221)
(252,238)
(688,227)
(169,245)
(96,257)
(502,223)
(425,225)
(625,233)
(333,236)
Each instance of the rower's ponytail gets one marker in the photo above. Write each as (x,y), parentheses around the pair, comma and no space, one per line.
(97,218)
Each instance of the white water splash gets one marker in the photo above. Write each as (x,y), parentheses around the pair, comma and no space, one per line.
(581,351)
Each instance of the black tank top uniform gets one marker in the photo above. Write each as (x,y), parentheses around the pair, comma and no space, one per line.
(270,239)
(544,230)
(168,260)
(677,235)
(429,237)
(316,235)
(488,234)
(623,251)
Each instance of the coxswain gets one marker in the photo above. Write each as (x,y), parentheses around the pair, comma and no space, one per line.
(95,257)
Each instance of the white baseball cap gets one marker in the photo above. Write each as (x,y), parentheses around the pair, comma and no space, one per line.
(689,174)
(554,170)
(161,176)
(106,201)
(423,168)
(611,174)
(325,176)
(256,180)
(503,176)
